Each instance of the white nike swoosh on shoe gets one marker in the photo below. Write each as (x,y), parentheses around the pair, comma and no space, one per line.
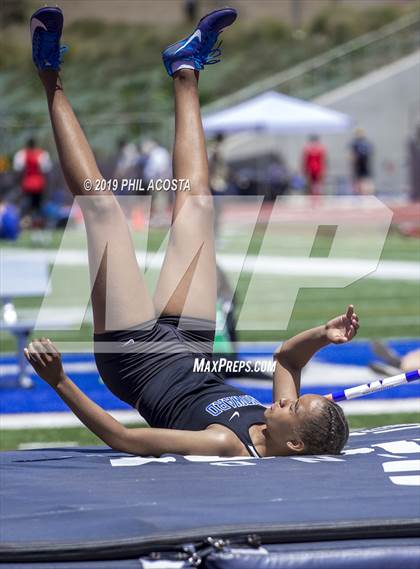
(235,414)
(35,23)
(196,34)
(129,342)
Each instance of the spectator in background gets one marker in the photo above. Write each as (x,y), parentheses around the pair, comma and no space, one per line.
(190,8)
(314,165)
(127,160)
(4,164)
(126,168)
(277,176)
(361,163)
(297,182)
(218,176)
(7,176)
(158,162)
(9,220)
(157,166)
(33,164)
(218,170)
(414,164)
(225,342)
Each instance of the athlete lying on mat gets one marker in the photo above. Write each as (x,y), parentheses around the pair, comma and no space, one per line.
(145,348)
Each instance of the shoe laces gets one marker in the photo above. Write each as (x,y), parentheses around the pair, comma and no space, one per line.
(208,54)
(47,47)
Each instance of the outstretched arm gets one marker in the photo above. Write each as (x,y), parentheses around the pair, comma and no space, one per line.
(295,353)
(46,361)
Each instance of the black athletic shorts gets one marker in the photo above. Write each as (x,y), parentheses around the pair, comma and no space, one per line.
(151,366)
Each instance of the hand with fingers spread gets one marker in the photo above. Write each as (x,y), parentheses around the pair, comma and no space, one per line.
(46,361)
(343,328)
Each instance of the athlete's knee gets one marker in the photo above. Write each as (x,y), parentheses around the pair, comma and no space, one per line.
(203,203)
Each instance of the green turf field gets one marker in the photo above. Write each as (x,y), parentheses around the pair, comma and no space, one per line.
(397,247)
(387,308)
(10,440)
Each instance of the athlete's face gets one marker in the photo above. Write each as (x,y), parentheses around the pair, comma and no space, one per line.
(284,417)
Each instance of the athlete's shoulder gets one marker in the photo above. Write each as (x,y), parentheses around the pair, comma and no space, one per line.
(228,443)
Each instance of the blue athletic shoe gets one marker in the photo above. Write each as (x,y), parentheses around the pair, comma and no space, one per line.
(46,29)
(197,50)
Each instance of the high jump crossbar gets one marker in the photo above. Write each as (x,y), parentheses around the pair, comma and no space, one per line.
(374,386)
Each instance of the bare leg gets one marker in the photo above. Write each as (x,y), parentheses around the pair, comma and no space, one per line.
(187,283)
(119,295)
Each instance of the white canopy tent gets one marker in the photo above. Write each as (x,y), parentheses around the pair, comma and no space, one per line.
(273,112)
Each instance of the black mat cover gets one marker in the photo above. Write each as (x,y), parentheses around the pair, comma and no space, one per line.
(74,504)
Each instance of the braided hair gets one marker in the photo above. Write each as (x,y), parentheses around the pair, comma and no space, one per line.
(326,432)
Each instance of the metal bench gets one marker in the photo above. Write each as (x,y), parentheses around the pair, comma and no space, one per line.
(21,276)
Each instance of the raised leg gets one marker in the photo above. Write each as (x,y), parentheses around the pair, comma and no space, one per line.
(120,298)
(187,283)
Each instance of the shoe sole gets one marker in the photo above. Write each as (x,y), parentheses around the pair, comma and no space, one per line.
(218,11)
(198,25)
(41,11)
(44,9)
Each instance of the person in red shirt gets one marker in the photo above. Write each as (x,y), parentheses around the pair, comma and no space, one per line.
(314,165)
(33,163)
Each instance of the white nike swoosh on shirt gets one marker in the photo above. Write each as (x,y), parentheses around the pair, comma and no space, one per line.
(196,34)
(35,23)
(235,414)
(129,342)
